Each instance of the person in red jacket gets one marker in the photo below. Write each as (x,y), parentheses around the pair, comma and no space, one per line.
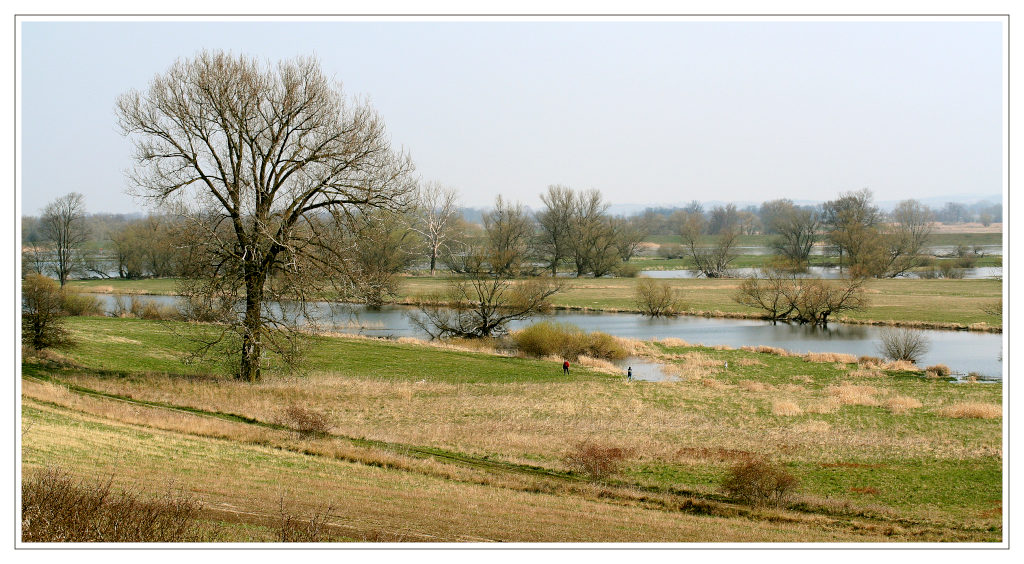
(565,367)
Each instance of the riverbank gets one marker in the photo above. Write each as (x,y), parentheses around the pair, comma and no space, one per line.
(415,431)
(937,304)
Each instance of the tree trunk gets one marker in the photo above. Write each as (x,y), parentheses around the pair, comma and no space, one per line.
(252,342)
(433,261)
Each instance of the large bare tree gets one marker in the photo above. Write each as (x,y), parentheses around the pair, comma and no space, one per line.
(260,158)
(63,224)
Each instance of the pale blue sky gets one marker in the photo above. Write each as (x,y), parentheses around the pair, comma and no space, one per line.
(647,112)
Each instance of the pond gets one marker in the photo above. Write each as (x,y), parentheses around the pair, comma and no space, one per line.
(962,351)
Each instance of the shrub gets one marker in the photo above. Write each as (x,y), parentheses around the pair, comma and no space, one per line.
(305,420)
(74,303)
(567,341)
(939,369)
(657,298)
(869,360)
(759,482)
(594,460)
(57,508)
(42,315)
(898,343)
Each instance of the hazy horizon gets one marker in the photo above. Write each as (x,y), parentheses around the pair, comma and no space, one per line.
(650,113)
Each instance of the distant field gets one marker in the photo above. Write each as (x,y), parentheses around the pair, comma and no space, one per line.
(936,238)
(429,444)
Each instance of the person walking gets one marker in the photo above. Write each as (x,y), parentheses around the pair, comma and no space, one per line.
(629,374)
(565,367)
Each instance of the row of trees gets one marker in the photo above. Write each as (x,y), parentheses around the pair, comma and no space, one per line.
(761,219)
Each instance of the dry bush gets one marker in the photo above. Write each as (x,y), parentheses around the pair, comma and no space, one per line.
(939,369)
(759,482)
(42,317)
(786,408)
(900,343)
(901,404)
(594,460)
(849,394)
(58,508)
(971,410)
(291,528)
(305,420)
(831,357)
(825,405)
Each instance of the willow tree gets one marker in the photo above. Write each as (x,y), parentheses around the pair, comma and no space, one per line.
(260,158)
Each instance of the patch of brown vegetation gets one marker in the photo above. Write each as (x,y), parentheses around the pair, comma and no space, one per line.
(865,490)
(840,358)
(786,408)
(849,394)
(971,410)
(901,404)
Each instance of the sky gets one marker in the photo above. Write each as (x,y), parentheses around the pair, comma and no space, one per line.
(650,113)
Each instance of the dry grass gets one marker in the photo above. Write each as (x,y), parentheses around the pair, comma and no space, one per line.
(865,373)
(901,404)
(744,361)
(840,358)
(713,384)
(901,366)
(939,369)
(849,394)
(674,342)
(56,507)
(754,386)
(825,405)
(971,410)
(767,350)
(786,408)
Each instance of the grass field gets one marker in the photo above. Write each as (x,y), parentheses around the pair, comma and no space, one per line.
(427,443)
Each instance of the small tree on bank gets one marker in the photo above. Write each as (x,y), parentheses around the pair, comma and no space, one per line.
(657,298)
(783,296)
(63,223)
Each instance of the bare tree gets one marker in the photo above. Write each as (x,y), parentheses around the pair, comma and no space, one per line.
(483,304)
(629,236)
(797,229)
(555,226)
(260,158)
(907,236)
(63,223)
(592,237)
(507,230)
(436,214)
(712,261)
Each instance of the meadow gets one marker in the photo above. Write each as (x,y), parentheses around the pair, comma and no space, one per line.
(424,442)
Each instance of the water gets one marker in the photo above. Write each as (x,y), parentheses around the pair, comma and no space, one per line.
(962,351)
